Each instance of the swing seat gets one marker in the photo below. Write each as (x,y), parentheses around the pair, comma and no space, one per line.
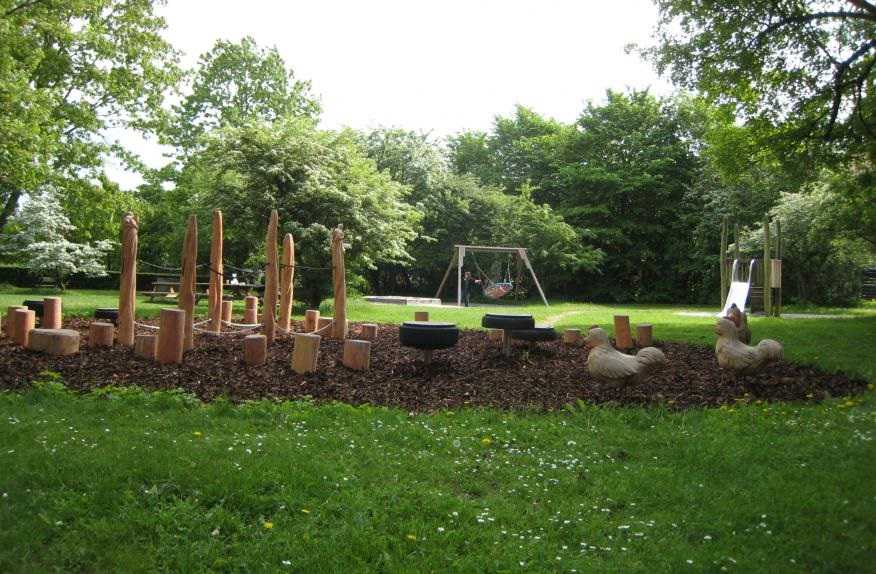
(498,290)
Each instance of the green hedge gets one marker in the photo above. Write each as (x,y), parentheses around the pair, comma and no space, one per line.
(24,277)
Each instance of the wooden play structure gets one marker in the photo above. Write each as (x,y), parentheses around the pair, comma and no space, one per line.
(493,288)
(744,279)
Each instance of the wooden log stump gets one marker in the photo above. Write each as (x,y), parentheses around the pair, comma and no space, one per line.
(54,341)
(171,336)
(255,350)
(51,313)
(100,334)
(644,335)
(622,335)
(357,354)
(305,353)
(323,322)
(145,345)
(571,336)
(251,310)
(368,331)
(9,320)
(24,321)
(495,335)
(421,315)
(311,320)
(227,307)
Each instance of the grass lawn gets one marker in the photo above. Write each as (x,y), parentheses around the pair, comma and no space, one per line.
(122,480)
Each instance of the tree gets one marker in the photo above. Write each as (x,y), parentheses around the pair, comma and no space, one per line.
(409,157)
(41,241)
(316,180)
(70,69)
(800,72)
(235,84)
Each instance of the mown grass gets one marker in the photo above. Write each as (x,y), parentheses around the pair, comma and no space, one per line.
(122,480)
(129,481)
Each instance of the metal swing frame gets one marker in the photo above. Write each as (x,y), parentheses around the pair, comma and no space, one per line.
(458,257)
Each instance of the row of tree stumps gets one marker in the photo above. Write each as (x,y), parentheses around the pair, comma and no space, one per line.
(177,326)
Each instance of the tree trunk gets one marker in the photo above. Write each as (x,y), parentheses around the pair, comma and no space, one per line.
(9,207)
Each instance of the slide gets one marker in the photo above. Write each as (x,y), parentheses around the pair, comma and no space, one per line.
(739,289)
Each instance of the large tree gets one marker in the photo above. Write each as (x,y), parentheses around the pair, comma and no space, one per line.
(800,71)
(70,69)
(236,83)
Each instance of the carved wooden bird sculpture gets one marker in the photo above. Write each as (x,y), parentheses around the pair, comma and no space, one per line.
(738,357)
(740,319)
(607,364)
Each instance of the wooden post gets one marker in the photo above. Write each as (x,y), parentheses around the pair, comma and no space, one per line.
(496,335)
(644,335)
(305,352)
(24,321)
(10,319)
(622,336)
(368,331)
(171,336)
(52,316)
(725,281)
(272,280)
(323,322)
(339,277)
(187,280)
(506,342)
(227,307)
(100,334)
(421,315)
(522,254)
(571,336)
(255,350)
(357,354)
(777,279)
(251,310)
(736,249)
(54,341)
(216,274)
(767,269)
(446,275)
(128,289)
(144,346)
(460,260)
(287,280)
(311,320)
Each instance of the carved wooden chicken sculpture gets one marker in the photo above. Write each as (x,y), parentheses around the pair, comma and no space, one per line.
(740,319)
(738,357)
(607,364)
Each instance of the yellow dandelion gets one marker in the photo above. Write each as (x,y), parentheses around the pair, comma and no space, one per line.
(486,441)
(198,433)
(268,525)
(305,511)
(411,537)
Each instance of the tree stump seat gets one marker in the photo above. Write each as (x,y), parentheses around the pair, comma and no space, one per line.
(54,341)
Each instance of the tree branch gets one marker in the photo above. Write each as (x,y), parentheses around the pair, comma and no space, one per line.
(22,6)
(864,5)
(9,206)
(806,18)
(838,83)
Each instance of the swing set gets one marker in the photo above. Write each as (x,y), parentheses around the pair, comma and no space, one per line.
(493,288)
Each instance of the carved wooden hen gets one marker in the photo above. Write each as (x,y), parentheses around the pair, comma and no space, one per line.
(740,319)
(738,357)
(607,364)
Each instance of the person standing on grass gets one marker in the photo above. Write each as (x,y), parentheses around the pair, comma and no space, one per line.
(467,281)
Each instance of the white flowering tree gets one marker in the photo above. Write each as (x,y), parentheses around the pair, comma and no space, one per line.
(38,238)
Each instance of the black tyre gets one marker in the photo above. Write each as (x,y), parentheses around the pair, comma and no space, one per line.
(35,306)
(535,334)
(428,336)
(107,313)
(512,322)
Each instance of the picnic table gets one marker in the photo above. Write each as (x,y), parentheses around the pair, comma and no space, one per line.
(165,289)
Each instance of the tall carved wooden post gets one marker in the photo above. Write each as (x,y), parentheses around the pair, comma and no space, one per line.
(339,329)
(216,277)
(725,280)
(128,288)
(272,264)
(187,280)
(287,276)
(767,269)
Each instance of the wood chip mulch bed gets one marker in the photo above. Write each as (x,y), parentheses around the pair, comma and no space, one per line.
(474,373)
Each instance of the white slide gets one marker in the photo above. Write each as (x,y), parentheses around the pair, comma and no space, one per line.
(739,289)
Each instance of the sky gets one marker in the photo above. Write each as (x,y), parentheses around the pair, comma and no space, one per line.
(432,66)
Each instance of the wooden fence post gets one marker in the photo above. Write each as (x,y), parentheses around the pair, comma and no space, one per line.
(767,269)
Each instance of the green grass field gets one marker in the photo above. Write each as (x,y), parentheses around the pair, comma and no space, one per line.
(122,480)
